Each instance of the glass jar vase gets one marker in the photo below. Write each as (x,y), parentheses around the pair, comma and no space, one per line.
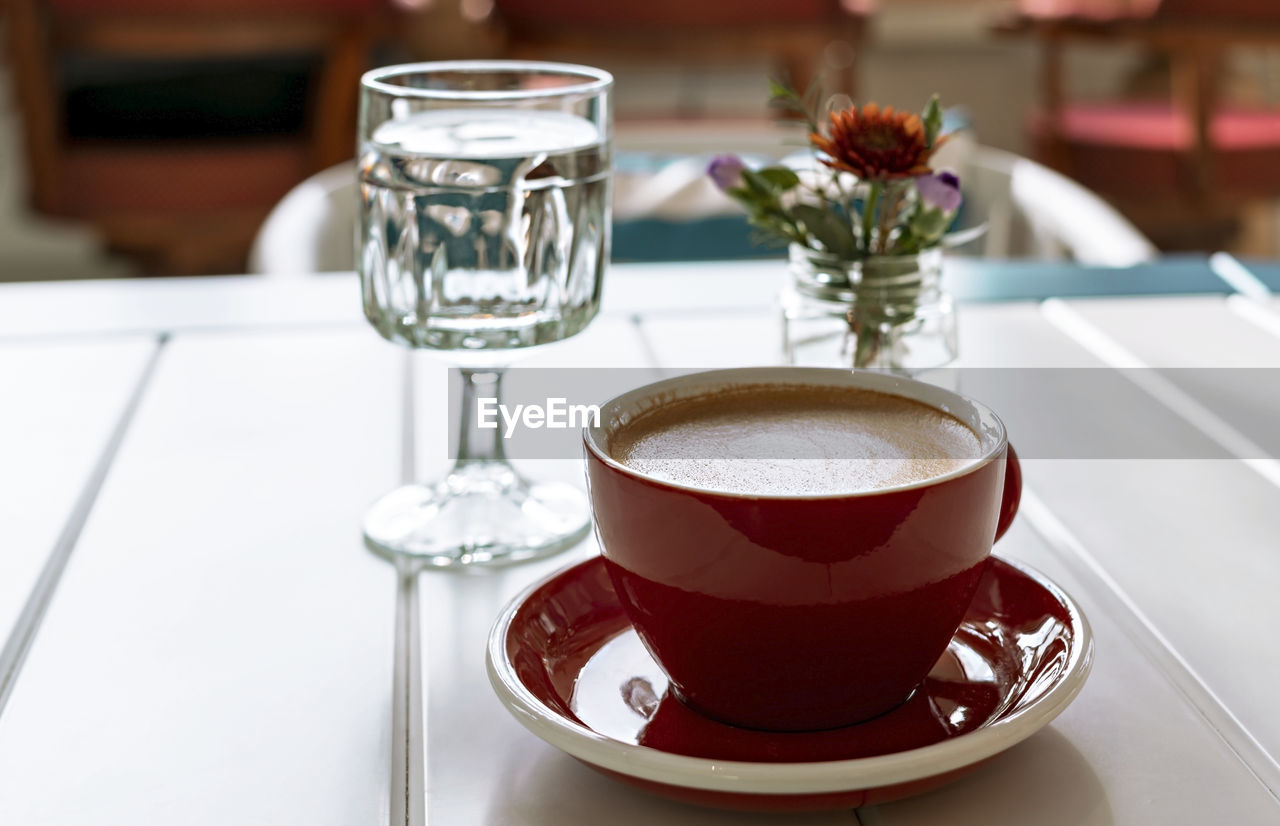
(884,312)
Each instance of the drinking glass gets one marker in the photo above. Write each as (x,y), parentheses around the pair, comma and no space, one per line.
(484,229)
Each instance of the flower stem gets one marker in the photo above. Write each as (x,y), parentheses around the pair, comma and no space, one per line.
(889,216)
(869,214)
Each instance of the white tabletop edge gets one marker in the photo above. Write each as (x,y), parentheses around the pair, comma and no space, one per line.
(1084,565)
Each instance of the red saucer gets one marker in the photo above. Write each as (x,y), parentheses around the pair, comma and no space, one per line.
(565,661)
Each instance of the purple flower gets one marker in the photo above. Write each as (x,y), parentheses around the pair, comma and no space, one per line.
(940,190)
(726,171)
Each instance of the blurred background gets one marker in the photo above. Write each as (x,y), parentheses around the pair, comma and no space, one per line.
(152,137)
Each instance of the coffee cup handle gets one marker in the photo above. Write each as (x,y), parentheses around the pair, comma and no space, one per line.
(1012,493)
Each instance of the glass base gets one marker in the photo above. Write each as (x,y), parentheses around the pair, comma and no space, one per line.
(481,514)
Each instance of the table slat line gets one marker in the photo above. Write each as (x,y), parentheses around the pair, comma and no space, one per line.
(1262,316)
(1252,299)
(1122,609)
(646,346)
(23,634)
(729,310)
(1115,355)
(408,430)
(408,729)
(408,769)
(165,327)
(1239,277)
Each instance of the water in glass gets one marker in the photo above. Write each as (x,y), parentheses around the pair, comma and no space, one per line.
(483,228)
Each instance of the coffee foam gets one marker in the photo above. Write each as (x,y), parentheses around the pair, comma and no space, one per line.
(771,439)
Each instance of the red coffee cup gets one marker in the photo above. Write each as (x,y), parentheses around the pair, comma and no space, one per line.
(798,612)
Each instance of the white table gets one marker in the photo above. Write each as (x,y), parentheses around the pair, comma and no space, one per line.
(195,634)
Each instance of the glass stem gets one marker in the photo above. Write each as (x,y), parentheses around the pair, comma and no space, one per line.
(476,444)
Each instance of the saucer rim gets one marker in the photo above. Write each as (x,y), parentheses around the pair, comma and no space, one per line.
(773,778)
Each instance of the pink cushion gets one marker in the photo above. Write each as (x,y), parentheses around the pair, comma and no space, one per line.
(1160,126)
(1210,11)
(1138,148)
(1101,10)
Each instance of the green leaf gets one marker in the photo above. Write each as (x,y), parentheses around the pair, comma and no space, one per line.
(754,182)
(778,89)
(833,232)
(780,178)
(780,232)
(769,237)
(748,199)
(932,120)
(930,225)
(770,182)
(782,96)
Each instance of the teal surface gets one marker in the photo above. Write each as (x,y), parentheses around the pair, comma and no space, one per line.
(1267,271)
(726,237)
(1013,280)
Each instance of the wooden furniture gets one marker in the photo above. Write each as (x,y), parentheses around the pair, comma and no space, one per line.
(800,38)
(1180,167)
(180,204)
(191,632)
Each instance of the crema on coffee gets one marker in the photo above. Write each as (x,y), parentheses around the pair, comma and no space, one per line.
(777,439)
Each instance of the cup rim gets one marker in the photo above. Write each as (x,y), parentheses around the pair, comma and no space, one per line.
(594,80)
(593,435)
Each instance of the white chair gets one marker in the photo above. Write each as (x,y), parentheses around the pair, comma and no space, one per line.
(1033,212)
(1030,211)
(312,229)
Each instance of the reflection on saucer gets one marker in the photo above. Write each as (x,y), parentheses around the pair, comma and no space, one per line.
(961,694)
(566,662)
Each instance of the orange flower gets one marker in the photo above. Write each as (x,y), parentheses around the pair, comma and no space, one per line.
(876,144)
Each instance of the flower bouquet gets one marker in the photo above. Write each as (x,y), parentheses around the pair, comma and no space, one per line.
(865,218)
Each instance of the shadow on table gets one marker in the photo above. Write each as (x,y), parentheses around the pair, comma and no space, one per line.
(551,789)
(1045,781)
